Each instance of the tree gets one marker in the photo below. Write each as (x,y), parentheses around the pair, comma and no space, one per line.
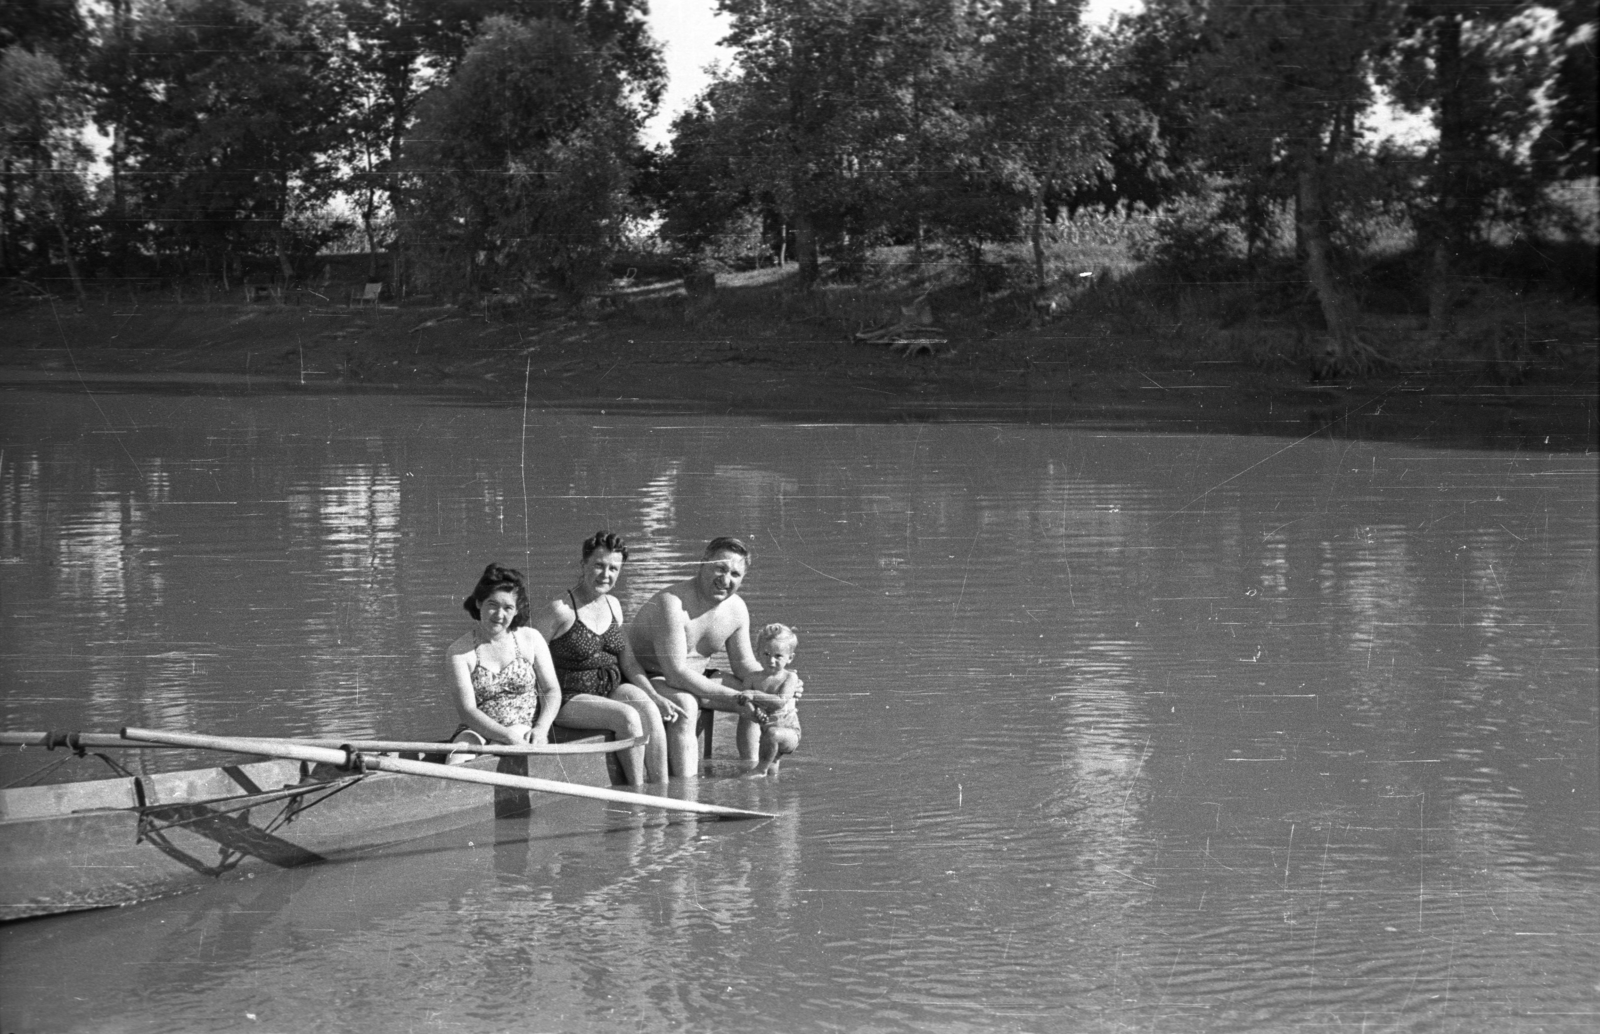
(45,164)
(1283,89)
(230,112)
(518,169)
(752,144)
(1147,60)
(43,43)
(868,120)
(826,116)
(1567,147)
(1479,68)
(937,180)
(53,27)
(400,49)
(715,172)
(1044,120)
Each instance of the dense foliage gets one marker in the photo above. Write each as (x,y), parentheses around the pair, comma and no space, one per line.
(517,170)
(495,144)
(240,136)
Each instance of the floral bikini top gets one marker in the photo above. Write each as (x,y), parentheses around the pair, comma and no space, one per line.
(510,696)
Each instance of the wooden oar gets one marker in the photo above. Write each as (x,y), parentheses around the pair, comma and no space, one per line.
(501,749)
(101,739)
(382,763)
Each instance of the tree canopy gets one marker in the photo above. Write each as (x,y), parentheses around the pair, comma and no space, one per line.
(517,170)
(496,142)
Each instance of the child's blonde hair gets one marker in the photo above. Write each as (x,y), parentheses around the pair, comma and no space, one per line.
(780,634)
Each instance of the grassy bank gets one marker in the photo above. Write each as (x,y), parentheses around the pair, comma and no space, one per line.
(912,337)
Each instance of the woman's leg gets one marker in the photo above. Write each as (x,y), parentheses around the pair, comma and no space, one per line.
(655,752)
(683,750)
(587,711)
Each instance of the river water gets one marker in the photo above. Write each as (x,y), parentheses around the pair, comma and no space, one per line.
(1104,730)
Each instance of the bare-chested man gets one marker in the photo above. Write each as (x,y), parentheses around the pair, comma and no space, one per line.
(675,633)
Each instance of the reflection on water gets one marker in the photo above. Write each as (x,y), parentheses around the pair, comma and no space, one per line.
(1103,730)
(651,570)
(346,523)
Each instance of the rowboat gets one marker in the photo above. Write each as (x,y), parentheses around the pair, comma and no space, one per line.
(132,837)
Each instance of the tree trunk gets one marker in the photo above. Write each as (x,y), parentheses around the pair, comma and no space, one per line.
(368,211)
(805,249)
(1036,234)
(1448,169)
(1299,234)
(5,216)
(975,267)
(399,89)
(72,263)
(919,195)
(1319,263)
(119,222)
(372,244)
(284,265)
(119,215)
(1441,290)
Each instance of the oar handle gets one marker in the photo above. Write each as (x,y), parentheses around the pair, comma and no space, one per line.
(76,740)
(514,750)
(383,763)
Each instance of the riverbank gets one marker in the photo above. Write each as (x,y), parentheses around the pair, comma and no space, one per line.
(750,349)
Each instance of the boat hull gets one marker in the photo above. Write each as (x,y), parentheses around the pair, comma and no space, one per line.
(73,846)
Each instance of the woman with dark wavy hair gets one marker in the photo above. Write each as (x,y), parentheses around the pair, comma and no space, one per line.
(502,679)
(602,685)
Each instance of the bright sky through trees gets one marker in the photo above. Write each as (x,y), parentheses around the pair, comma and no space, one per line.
(688,31)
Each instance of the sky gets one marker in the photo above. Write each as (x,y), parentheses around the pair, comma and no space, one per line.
(688,31)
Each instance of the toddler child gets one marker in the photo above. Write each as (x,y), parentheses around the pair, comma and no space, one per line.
(769,697)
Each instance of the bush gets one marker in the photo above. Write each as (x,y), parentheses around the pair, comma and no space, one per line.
(1568,266)
(1191,242)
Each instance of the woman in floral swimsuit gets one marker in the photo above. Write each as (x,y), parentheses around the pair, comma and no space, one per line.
(602,686)
(501,676)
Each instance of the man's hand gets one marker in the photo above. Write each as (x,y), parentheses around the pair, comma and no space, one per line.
(670,712)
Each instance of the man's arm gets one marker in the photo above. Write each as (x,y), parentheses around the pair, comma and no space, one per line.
(741,655)
(670,638)
(635,674)
(770,697)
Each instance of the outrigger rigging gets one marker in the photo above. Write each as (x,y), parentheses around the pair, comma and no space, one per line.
(88,844)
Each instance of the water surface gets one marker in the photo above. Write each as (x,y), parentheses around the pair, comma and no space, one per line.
(1104,730)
